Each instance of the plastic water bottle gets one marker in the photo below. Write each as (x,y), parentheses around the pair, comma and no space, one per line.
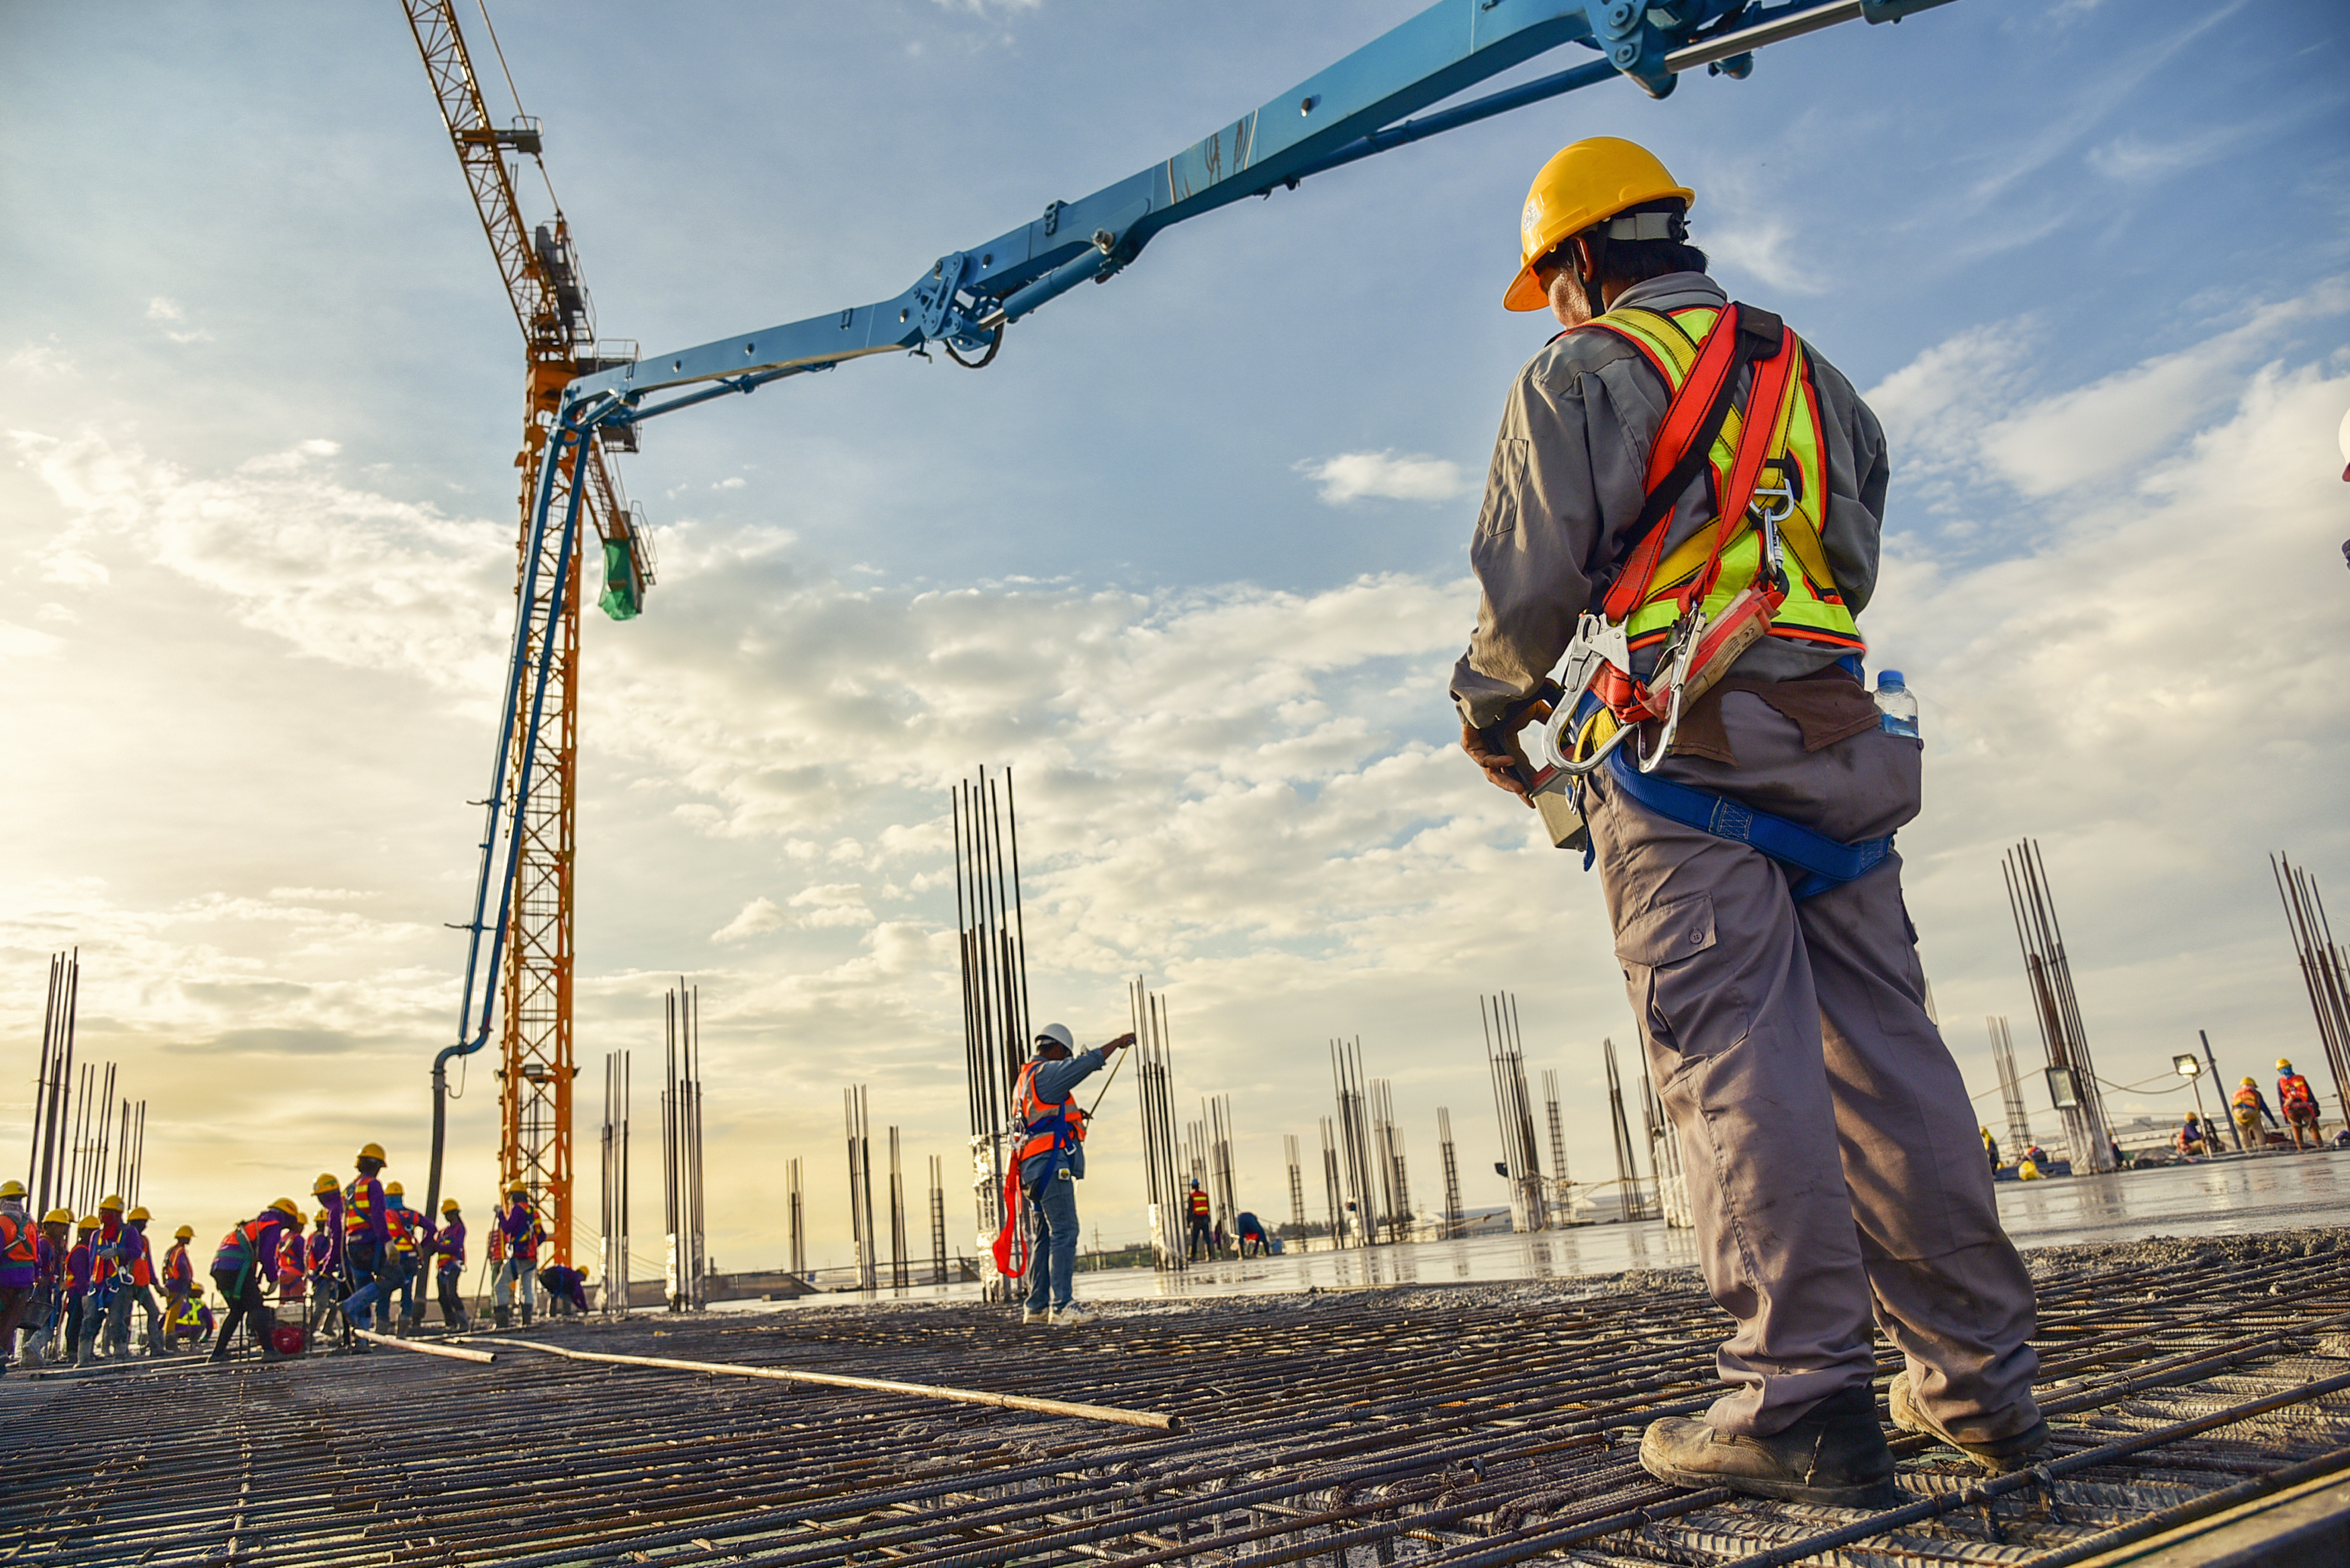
(1897,703)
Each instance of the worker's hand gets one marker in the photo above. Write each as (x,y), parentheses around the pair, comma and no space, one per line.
(1496,751)
(1120,1043)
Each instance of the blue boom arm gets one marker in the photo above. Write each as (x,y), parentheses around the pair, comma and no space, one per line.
(967,298)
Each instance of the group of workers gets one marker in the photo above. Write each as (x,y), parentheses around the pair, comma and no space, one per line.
(70,1287)
(1203,1233)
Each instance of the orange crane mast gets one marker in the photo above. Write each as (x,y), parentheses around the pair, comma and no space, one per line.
(558,327)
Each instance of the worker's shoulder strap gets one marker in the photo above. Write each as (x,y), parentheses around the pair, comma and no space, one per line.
(1741,334)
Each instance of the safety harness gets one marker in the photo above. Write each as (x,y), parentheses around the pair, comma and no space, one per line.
(1724,589)
(1053,1127)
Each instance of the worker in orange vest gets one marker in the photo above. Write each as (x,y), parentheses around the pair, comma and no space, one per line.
(244,1265)
(2248,1107)
(1199,1238)
(20,1264)
(1682,518)
(294,1271)
(1046,1167)
(2299,1103)
(179,1274)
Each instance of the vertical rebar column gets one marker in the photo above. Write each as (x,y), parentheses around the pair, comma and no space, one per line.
(2011,1084)
(674,1268)
(1452,1216)
(2050,973)
(1561,1192)
(1296,1189)
(798,1216)
(1506,1063)
(2324,971)
(1394,1177)
(937,1224)
(1354,1139)
(1330,1190)
(1222,1190)
(1162,1180)
(1633,1200)
(695,1190)
(860,1190)
(900,1263)
(138,1155)
(51,1119)
(992,942)
(1665,1159)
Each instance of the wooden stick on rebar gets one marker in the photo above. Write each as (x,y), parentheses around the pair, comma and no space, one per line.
(1146,1419)
(421,1348)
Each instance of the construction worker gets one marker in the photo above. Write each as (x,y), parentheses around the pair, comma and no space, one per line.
(520,1232)
(106,1280)
(294,1271)
(1749,878)
(1199,1234)
(1990,1147)
(2250,1106)
(136,1261)
(366,1246)
(449,1265)
(48,1309)
(407,1242)
(81,1267)
(2189,1138)
(179,1276)
(189,1321)
(567,1290)
(329,1284)
(2299,1103)
(20,1264)
(246,1262)
(1250,1231)
(1048,1164)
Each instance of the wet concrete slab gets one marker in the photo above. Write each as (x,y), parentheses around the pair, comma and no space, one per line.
(2238,1195)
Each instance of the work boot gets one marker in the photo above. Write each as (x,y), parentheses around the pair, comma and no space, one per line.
(504,1315)
(1834,1456)
(1029,1315)
(1999,1455)
(525,1318)
(1072,1316)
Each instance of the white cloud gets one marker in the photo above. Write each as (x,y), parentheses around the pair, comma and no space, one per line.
(756,918)
(161,309)
(1770,249)
(1352,475)
(41,359)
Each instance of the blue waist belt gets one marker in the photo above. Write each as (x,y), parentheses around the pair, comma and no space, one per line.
(1823,862)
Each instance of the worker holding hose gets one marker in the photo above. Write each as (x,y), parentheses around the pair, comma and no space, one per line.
(366,1246)
(1695,577)
(245,1264)
(1048,1164)
(449,1265)
(520,1232)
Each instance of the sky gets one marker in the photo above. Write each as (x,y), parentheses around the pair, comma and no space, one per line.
(1189,558)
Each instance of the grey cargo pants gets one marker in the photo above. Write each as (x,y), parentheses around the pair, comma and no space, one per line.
(1835,1171)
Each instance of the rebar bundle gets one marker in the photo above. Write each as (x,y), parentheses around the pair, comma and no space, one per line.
(1222,1190)
(1331,1192)
(1634,1196)
(612,1143)
(901,1265)
(1386,1145)
(2325,971)
(1562,1191)
(1505,1062)
(1296,1189)
(2011,1084)
(1665,1159)
(861,1189)
(796,1199)
(1355,1140)
(2071,1074)
(47,1175)
(686,1262)
(1155,1089)
(937,1224)
(992,937)
(1453,1219)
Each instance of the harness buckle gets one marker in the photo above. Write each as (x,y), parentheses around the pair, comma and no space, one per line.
(1673,661)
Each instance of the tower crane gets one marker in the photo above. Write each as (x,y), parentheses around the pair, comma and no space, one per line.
(1384,94)
(551,305)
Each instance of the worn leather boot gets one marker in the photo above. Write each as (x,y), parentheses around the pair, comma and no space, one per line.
(504,1316)
(525,1318)
(1834,1456)
(1999,1455)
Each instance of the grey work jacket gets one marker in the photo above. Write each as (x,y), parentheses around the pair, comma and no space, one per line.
(1565,489)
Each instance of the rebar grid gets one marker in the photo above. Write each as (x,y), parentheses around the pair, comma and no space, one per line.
(1463,1425)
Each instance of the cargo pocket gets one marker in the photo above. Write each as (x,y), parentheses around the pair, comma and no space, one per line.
(1662,952)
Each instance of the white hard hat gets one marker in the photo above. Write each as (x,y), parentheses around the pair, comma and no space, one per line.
(1059,1035)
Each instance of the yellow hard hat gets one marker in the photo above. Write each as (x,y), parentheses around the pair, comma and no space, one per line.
(394,1189)
(1594,179)
(12,1189)
(448,1206)
(109,1204)
(2284,1065)
(88,1222)
(58,1217)
(324,1185)
(373,1151)
(2251,1082)
(521,1187)
(286,1206)
(137,1214)
(324,1217)
(184,1233)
